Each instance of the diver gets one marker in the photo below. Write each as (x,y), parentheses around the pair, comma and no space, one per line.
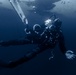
(48,40)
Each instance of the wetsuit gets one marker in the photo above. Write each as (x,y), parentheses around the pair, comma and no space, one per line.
(48,39)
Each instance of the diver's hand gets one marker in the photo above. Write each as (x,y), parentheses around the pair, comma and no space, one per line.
(70,54)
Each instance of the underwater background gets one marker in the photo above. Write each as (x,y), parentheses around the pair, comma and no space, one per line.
(11,27)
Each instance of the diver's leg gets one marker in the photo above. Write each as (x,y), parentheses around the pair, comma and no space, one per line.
(15,42)
(26,58)
(16,63)
(22,60)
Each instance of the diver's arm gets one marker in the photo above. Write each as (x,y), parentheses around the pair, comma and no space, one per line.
(62,42)
(68,53)
(15,42)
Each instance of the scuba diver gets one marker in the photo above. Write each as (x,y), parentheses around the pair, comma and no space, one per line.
(48,39)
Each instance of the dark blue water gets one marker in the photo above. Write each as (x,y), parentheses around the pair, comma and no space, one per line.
(11,28)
